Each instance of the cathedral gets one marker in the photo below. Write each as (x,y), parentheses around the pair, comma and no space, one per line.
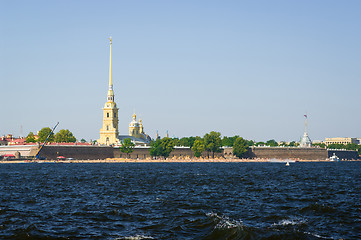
(109,134)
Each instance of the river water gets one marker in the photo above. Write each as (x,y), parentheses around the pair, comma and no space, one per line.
(181,201)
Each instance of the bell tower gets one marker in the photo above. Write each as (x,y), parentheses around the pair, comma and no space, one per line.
(109,132)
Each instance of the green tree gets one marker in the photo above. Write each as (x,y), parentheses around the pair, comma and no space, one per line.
(44,133)
(184,141)
(198,147)
(293,144)
(127,146)
(240,147)
(30,138)
(176,141)
(351,146)
(213,142)
(336,146)
(161,147)
(359,149)
(64,136)
(228,141)
(250,142)
(272,143)
(260,144)
(155,149)
(83,140)
(321,145)
(167,146)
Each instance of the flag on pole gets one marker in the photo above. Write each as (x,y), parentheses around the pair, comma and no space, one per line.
(305,116)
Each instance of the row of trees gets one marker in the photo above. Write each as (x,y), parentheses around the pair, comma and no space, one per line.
(64,135)
(211,142)
(229,141)
(349,146)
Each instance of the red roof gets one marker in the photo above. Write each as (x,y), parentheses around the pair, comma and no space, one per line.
(8,155)
(69,144)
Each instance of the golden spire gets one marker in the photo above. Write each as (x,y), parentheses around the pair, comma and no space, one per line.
(110,91)
(110,66)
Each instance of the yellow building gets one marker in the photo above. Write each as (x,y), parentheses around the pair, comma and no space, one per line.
(109,134)
(136,129)
(340,140)
(136,133)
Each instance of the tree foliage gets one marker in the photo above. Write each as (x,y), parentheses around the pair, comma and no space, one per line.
(272,143)
(127,146)
(213,142)
(64,136)
(240,147)
(30,138)
(321,145)
(167,146)
(44,133)
(83,140)
(187,141)
(198,147)
(349,146)
(228,141)
(260,144)
(250,142)
(155,149)
(161,147)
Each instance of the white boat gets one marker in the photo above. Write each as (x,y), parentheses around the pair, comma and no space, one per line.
(334,158)
(288,163)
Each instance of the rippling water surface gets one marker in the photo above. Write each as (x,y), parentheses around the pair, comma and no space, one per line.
(180,201)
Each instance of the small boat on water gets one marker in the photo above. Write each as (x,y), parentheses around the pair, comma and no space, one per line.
(288,163)
(334,158)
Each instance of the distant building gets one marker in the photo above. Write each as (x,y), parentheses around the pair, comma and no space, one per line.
(305,140)
(11,140)
(340,140)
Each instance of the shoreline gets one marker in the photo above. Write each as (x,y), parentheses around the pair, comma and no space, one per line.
(195,160)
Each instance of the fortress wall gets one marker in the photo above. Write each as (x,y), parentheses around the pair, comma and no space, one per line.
(77,152)
(288,152)
(259,152)
(103,152)
(143,153)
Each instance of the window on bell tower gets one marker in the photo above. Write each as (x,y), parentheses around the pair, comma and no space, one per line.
(107,115)
(115,115)
(107,127)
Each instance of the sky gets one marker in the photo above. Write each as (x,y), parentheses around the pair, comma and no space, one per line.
(247,68)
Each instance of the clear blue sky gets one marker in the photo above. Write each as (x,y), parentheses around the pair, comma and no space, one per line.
(251,68)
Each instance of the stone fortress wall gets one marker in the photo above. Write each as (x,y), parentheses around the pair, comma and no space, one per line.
(103,152)
(78,152)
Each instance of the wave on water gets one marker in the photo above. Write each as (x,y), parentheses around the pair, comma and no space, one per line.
(226,228)
(290,222)
(136,237)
